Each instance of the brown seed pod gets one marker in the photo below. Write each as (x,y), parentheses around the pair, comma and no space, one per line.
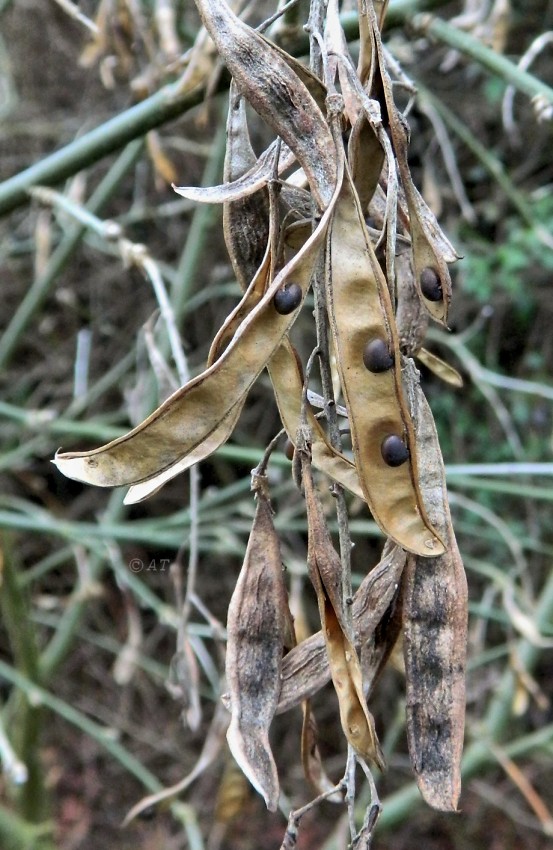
(431,287)
(287,299)
(394,451)
(377,356)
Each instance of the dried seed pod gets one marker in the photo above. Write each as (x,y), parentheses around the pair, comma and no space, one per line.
(277,93)
(325,569)
(194,412)
(435,631)
(305,668)
(288,298)
(376,356)
(394,451)
(287,379)
(245,220)
(430,284)
(255,627)
(360,309)
(429,245)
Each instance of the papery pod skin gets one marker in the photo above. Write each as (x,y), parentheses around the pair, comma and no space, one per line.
(440,368)
(359,310)
(427,248)
(366,158)
(325,569)
(196,410)
(144,489)
(311,758)
(245,221)
(287,380)
(305,668)
(435,612)
(277,94)
(256,629)
(411,316)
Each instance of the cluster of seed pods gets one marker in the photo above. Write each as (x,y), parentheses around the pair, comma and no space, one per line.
(377,313)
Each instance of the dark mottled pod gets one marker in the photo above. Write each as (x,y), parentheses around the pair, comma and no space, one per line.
(376,356)
(394,451)
(287,298)
(431,287)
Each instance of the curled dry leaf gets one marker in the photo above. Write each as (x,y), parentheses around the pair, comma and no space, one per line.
(360,312)
(305,668)
(325,570)
(277,94)
(256,630)
(194,412)
(435,631)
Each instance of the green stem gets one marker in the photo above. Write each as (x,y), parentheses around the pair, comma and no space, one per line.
(485,56)
(41,286)
(168,103)
(24,717)
(61,642)
(135,122)
(200,225)
(37,694)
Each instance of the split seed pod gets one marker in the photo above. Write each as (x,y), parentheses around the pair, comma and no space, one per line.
(195,412)
(360,309)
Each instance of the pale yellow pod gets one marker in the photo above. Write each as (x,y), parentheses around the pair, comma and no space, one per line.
(194,412)
(325,569)
(360,312)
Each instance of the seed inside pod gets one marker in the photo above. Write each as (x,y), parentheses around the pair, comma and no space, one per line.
(376,356)
(287,298)
(289,449)
(394,451)
(431,287)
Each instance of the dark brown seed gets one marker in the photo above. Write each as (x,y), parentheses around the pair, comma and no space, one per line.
(287,298)
(376,356)
(289,450)
(431,287)
(394,451)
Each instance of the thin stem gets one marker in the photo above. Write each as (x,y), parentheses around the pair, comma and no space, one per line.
(41,286)
(484,56)
(168,103)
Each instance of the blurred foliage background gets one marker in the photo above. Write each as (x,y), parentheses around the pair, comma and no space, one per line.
(92,590)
